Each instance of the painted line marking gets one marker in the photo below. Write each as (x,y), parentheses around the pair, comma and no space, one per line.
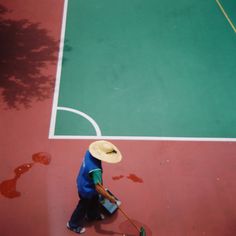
(226,16)
(87,117)
(58,75)
(143,138)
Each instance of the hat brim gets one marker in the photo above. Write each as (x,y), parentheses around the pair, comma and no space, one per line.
(97,152)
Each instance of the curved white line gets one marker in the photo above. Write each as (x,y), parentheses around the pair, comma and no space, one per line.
(87,117)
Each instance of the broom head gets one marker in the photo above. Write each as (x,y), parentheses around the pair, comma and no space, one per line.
(142,232)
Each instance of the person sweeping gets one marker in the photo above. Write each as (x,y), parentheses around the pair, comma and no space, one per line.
(90,184)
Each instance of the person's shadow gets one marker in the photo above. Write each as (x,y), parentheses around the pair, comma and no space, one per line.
(26,52)
(109,218)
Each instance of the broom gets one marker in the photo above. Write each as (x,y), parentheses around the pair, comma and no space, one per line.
(141,231)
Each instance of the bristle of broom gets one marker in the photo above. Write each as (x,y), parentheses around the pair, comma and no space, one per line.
(142,232)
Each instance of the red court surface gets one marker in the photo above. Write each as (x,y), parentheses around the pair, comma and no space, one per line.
(170,188)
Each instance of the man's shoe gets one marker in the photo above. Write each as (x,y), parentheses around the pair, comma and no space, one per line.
(78,230)
(100,217)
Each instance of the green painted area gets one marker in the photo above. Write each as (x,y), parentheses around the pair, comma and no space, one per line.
(149,68)
(71,127)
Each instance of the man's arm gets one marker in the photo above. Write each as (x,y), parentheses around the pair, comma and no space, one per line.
(97,179)
(100,189)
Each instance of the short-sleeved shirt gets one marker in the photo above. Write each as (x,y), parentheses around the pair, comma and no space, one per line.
(97,176)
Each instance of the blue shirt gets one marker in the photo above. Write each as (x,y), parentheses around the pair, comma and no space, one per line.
(85,183)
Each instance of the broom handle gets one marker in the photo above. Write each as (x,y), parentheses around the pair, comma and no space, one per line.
(123,211)
(129,219)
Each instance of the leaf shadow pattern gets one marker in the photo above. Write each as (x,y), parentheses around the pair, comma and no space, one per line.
(26,52)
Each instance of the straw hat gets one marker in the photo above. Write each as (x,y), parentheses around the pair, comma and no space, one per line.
(105,151)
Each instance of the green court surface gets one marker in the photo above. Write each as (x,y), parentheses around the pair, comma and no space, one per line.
(151,68)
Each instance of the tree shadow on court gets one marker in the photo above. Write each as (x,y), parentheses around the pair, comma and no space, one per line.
(26,52)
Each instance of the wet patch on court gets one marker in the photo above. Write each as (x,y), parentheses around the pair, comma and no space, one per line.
(132,177)
(8,188)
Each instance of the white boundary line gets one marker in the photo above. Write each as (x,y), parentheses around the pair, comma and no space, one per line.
(55,104)
(226,15)
(58,75)
(143,138)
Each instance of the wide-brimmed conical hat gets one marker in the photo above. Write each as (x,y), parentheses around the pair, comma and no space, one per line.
(105,151)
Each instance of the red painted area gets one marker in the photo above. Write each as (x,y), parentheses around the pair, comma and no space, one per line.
(188,188)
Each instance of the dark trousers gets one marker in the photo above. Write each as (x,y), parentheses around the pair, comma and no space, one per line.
(86,208)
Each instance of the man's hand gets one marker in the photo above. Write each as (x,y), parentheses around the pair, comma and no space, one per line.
(112,199)
(118,203)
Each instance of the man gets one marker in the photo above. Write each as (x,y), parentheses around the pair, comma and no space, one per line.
(89,183)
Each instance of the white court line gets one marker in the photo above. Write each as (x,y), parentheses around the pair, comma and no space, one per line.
(87,117)
(58,75)
(143,138)
(226,15)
